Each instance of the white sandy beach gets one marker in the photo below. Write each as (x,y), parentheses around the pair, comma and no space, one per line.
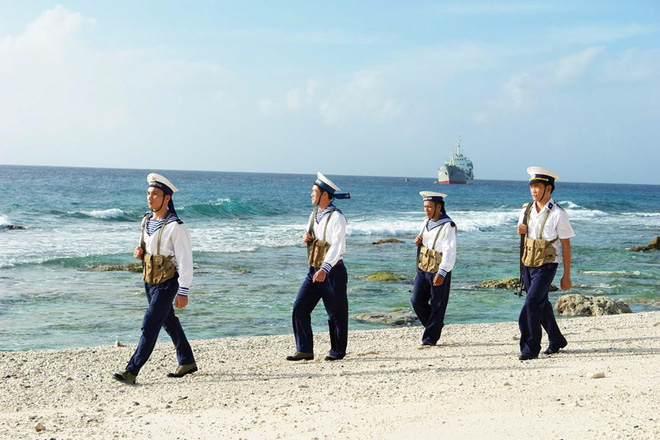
(472,386)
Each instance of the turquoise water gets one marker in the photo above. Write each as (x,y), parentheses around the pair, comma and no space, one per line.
(249,261)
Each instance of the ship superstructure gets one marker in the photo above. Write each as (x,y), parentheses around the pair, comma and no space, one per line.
(458,169)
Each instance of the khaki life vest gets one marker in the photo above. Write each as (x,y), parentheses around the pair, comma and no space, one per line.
(538,251)
(317,248)
(428,259)
(156,269)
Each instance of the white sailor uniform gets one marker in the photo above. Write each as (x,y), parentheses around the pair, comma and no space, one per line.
(174,240)
(550,224)
(537,312)
(429,301)
(329,225)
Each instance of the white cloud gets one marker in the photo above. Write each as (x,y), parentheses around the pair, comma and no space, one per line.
(312,87)
(293,99)
(634,65)
(573,66)
(603,33)
(523,90)
(47,33)
(61,95)
(300,98)
(361,97)
(266,106)
(38,72)
(518,90)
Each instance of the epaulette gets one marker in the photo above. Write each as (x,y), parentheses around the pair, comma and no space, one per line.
(525,205)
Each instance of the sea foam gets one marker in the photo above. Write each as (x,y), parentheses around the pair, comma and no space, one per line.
(107,214)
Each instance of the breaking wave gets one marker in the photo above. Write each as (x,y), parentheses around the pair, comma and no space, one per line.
(567,204)
(109,214)
(112,214)
(6,224)
(228,209)
(614,273)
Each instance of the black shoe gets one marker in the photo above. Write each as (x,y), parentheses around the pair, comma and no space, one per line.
(125,377)
(551,350)
(182,370)
(430,344)
(526,357)
(333,358)
(300,356)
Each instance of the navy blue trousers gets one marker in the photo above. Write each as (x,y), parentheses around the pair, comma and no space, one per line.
(333,293)
(160,313)
(430,304)
(537,311)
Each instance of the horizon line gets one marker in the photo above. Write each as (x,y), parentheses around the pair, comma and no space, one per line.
(293,174)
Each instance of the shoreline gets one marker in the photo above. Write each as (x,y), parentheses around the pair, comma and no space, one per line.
(470,386)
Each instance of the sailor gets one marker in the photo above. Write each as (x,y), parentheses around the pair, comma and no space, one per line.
(436,256)
(546,234)
(326,278)
(167,273)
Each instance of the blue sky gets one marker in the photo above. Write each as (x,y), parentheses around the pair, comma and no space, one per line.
(346,87)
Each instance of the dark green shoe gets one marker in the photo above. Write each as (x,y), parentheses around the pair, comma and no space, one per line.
(125,377)
(182,370)
(300,356)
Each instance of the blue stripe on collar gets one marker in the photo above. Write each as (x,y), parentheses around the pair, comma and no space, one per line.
(432,224)
(154,226)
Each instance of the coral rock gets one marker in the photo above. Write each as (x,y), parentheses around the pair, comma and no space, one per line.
(585,305)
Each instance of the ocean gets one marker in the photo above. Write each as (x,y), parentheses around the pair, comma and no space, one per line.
(58,226)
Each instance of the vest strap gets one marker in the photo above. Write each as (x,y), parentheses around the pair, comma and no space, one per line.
(143,245)
(420,246)
(545,219)
(317,249)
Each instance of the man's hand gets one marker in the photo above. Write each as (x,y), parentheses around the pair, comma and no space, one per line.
(180,301)
(138,253)
(438,280)
(306,238)
(418,240)
(522,229)
(565,283)
(319,276)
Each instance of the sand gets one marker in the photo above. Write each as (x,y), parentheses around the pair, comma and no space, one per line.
(472,386)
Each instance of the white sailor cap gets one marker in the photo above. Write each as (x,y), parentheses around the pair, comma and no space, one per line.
(538,174)
(161,182)
(432,196)
(328,185)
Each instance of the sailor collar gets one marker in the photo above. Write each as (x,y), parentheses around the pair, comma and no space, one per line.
(321,213)
(432,224)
